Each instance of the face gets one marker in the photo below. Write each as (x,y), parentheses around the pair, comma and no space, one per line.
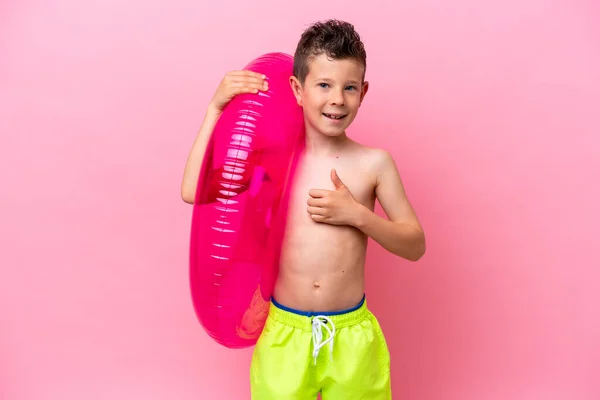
(331,94)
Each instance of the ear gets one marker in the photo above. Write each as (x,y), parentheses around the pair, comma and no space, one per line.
(296,89)
(365,89)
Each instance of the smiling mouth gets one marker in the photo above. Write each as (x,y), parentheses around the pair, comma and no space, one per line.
(334,116)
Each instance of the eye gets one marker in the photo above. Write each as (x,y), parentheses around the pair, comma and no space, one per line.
(351,88)
(323,85)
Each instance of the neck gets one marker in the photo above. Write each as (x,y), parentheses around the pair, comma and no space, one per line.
(321,145)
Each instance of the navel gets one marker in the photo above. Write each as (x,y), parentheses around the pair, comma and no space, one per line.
(317,285)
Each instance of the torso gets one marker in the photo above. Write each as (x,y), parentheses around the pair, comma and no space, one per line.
(322,265)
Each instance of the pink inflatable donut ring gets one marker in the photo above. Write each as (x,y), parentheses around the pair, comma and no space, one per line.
(241,203)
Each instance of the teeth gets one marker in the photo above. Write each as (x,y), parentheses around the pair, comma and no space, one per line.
(333,116)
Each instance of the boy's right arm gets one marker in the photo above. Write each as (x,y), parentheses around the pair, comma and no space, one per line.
(234,83)
(196,156)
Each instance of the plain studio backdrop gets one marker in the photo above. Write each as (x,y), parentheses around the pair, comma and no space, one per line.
(490,109)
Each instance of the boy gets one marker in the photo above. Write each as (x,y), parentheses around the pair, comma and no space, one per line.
(319,336)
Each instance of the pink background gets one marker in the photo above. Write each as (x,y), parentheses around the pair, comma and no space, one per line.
(490,109)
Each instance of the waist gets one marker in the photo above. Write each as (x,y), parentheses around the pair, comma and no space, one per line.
(303,319)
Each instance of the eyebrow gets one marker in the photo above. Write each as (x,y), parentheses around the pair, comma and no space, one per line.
(352,81)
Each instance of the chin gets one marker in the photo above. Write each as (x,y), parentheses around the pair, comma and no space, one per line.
(333,133)
(328,131)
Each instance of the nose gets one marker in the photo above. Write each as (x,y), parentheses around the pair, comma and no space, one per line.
(337,98)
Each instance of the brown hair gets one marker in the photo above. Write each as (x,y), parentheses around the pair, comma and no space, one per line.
(336,39)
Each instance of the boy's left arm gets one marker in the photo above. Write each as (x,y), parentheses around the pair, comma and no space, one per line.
(401,233)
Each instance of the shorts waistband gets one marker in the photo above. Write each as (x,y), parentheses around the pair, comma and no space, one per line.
(303,319)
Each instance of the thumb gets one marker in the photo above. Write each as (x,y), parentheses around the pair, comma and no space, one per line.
(337,182)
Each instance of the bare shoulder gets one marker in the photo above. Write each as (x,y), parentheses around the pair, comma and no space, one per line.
(377,160)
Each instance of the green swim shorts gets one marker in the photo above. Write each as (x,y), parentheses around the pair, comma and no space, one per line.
(341,355)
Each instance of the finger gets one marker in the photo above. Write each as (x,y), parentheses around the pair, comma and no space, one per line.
(245,89)
(246,72)
(315,211)
(232,80)
(318,193)
(239,87)
(336,179)
(318,218)
(252,83)
(316,202)
(255,86)
(249,80)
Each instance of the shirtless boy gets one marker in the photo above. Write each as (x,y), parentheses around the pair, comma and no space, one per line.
(320,336)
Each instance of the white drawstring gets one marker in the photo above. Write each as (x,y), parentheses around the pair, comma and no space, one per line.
(318,323)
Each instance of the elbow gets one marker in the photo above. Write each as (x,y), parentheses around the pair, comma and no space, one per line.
(417,255)
(418,250)
(187,196)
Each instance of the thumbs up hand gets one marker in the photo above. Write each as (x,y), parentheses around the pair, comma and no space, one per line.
(335,207)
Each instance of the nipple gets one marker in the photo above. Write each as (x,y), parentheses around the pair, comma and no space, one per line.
(317,285)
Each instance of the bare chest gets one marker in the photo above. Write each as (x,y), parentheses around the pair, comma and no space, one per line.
(316,174)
